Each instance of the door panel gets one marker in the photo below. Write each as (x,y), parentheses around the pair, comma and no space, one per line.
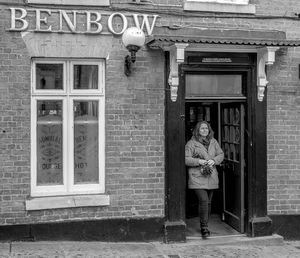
(232,142)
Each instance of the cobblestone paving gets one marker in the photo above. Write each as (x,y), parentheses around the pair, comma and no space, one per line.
(144,250)
(247,251)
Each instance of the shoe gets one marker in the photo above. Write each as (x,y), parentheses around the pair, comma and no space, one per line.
(205,232)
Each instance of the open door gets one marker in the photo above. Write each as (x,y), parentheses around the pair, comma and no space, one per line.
(232,142)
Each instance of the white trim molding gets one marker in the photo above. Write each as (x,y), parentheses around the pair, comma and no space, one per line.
(265,56)
(71,2)
(225,6)
(57,202)
(176,57)
(245,2)
(65,163)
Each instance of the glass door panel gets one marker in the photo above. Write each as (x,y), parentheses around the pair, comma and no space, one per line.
(232,143)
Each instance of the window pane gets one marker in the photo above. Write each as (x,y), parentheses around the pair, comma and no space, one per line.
(49,142)
(49,76)
(213,85)
(86,142)
(85,77)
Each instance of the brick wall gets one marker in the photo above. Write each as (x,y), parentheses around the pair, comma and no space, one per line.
(135,122)
(134,132)
(14,125)
(284,135)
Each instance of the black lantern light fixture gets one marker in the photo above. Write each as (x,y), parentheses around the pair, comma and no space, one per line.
(133,39)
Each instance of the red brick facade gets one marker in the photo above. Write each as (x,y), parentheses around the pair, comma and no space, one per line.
(135,116)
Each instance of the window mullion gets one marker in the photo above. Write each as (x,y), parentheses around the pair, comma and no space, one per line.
(65,143)
(33,146)
(71,143)
(70,131)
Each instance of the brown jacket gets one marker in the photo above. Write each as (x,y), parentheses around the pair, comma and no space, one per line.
(194,151)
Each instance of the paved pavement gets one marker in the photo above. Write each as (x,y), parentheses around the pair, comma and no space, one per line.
(193,248)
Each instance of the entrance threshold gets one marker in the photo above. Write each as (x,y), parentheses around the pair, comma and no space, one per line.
(240,239)
(216,227)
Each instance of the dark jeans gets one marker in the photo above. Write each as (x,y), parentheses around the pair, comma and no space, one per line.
(204,205)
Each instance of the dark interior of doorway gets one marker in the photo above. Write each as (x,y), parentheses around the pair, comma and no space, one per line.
(209,111)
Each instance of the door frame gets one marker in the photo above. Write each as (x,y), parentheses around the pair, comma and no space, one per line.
(257,223)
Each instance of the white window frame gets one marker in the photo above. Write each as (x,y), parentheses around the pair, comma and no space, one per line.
(68,96)
(36,91)
(90,91)
(51,189)
(71,2)
(87,188)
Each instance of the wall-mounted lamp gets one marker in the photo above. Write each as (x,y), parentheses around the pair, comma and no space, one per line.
(133,39)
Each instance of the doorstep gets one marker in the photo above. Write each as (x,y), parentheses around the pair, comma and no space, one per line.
(239,239)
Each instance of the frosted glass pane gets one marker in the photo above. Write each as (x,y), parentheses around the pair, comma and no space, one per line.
(213,85)
(49,142)
(86,153)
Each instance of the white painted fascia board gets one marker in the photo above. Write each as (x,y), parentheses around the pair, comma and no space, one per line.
(219,7)
(71,2)
(245,2)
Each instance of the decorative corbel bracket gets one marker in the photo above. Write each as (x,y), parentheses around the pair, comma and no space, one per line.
(265,56)
(176,57)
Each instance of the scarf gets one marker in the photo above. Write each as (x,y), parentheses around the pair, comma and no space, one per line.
(205,142)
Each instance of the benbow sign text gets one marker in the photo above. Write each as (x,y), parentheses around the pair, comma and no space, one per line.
(89,22)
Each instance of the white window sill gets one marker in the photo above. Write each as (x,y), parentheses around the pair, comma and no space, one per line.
(71,2)
(218,7)
(43,203)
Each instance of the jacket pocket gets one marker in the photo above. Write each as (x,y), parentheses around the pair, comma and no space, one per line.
(196,174)
(214,179)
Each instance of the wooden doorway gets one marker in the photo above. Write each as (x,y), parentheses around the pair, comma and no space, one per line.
(227,118)
(256,222)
